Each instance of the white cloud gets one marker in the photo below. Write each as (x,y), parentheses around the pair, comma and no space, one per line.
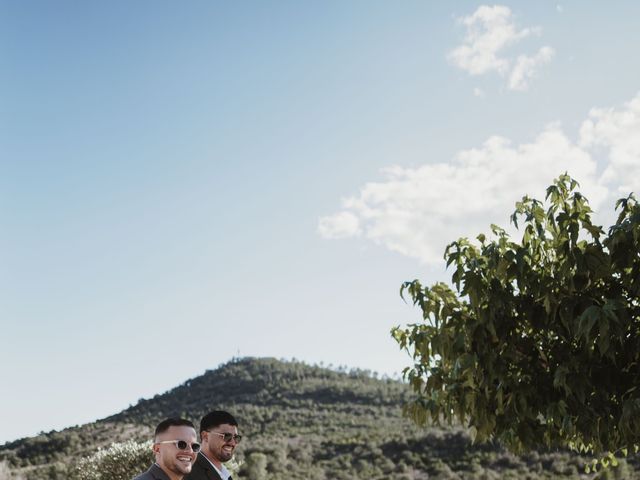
(525,68)
(417,211)
(340,225)
(478,92)
(617,132)
(490,29)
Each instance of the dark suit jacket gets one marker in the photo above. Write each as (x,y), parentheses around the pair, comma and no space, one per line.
(154,473)
(202,470)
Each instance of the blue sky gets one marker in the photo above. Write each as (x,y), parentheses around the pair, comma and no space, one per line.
(184,183)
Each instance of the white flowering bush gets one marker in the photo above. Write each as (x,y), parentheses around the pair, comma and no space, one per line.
(7,474)
(120,461)
(234,467)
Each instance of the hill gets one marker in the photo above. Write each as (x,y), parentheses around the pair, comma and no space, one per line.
(310,423)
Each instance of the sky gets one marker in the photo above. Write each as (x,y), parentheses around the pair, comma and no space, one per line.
(182,183)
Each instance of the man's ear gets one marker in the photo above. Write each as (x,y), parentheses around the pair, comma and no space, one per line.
(156,448)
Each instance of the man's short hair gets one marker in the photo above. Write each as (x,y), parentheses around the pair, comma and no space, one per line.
(216,418)
(164,425)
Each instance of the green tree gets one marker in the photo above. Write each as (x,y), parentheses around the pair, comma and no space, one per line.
(539,343)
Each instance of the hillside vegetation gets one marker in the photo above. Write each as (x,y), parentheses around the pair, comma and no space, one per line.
(301,422)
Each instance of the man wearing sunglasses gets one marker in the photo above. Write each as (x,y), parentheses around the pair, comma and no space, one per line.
(219,436)
(174,447)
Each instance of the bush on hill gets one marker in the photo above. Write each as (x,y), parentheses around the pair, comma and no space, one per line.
(121,461)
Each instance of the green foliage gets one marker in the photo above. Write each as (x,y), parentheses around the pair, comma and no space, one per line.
(256,468)
(121,461)
(7,474)
(538,345)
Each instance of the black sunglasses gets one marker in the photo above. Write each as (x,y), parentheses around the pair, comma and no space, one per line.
(227,437)
(182,445)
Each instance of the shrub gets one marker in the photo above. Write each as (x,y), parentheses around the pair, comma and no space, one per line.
(121,461)
(7,474)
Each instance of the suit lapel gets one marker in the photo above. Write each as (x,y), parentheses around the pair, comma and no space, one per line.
(211,472)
